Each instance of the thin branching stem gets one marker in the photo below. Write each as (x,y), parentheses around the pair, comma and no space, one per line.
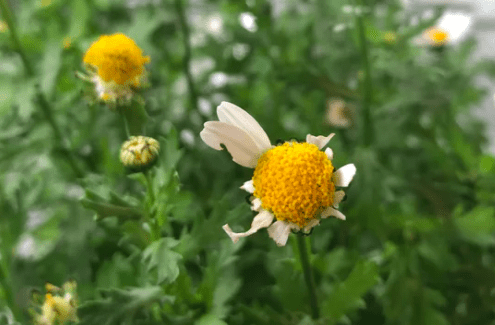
(308,276)
(368,129)
(9,19)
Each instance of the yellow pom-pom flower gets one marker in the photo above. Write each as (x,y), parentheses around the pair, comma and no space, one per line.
(294,183)
(436,36)
(139,152)
(117,66)
(58,309)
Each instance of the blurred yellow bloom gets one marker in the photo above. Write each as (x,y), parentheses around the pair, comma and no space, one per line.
(436,36)
(67,42)
(3,26)
(294,183)
(139,152)
(116,64)
(58,309)
(45,3)
(390,37)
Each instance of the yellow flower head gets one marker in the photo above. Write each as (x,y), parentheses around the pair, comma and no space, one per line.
(139,152)
(436,36)
(117,58)
(3,26)
(58,309)
(294,183)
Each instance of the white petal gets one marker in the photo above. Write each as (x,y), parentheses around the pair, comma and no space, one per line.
(329,212)
(343,176)
(239,144)
(256,204)
(329,153)
(234,115)
(262,220)
(338,196)
(310,225)
(279,231)
(320,141)
(248,186)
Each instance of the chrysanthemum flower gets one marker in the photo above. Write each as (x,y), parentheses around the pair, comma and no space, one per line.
(294,183)
(58,309)
(116,65)
(339,113)
(436,36)
(139,152)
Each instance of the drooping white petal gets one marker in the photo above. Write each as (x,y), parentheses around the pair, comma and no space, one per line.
(329,153)
(262,220)
(248,187)
(329,212)
(234,115)
(279,231)
(310,225)
(256,204)
(239,144)
(320,141)
(338,196)
(343,176)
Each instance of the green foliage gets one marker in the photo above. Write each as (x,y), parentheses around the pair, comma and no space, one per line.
(148,248)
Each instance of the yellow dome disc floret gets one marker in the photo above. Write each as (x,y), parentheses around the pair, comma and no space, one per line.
(117,58)
(294,182)
(437,36)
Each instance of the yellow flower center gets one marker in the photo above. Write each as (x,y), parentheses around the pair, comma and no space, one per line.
(116,58)
(294,182)
(437,36)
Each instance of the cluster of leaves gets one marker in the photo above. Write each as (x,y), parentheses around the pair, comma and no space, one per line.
(418,242)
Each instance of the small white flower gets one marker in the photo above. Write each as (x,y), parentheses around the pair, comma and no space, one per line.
(293,183)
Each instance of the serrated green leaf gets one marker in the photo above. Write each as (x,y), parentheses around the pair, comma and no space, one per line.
(158,257)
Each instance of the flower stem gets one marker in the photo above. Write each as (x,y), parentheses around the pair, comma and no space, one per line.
(193,96)
(368,130)
(9,19)
(308,276)
(152,221)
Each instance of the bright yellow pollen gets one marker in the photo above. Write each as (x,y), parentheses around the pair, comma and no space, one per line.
(294,182)
(117,58)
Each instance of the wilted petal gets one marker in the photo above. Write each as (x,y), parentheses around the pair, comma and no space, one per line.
(248,187)
(310,225)
(320,141)
(343,176)
(331,212)
(279,231)
(239,144)
(329,153)
(338,196)
(262,220)
(234,115)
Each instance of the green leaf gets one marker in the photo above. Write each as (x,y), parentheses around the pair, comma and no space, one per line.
(210,319)
(122,306)
(347,295)
(478,226)
(159,258)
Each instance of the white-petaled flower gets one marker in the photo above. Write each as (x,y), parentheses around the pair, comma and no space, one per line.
(139,152)
(294,183)
(451,29)
(60,305)
(340,114)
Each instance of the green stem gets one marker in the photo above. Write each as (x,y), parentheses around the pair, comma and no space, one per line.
(193,96)
(9,19)
(368,130)
(9,295)
(153,222)
(47,111)
(308,276)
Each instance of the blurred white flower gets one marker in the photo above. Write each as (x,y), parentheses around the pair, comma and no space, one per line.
(214,24)
(248,21)
(451,29)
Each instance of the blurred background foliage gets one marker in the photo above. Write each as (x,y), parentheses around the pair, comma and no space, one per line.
(416,248)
